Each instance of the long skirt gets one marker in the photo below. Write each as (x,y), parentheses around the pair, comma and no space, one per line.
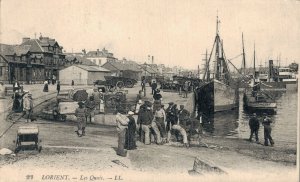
(130,137)
(46,88)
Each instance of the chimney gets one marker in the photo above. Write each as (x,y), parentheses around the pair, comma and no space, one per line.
(25,39)
(152,59)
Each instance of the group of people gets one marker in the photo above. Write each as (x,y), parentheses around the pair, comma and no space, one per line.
(254,127)
(46,87)
(154,124)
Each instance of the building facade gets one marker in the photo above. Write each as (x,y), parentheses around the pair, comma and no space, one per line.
(99,57)
(33,61)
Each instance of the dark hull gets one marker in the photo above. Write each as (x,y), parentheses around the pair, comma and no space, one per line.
(216,96)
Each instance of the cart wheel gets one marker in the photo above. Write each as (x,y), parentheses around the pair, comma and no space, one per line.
(129,84)
(120,84)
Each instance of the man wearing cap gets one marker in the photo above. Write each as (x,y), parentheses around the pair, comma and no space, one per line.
(28,106)
(254,127)
(145,118)
(80,113)
(97,99)
(181,126)
(90,105)
(267,130)
(122,124)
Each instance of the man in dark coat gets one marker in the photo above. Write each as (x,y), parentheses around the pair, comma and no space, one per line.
(153,86)
(157,95)
(145,119)
(90,105)
(254,127)
(267,130)
(130,133)
(58,87)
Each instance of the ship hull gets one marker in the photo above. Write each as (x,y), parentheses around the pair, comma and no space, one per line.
(216,96)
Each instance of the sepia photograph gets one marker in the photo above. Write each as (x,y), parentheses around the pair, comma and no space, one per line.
(160,90)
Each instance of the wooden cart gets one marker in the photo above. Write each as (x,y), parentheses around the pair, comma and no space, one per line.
(28,138)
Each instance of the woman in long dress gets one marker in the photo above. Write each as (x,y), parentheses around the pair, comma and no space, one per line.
(45,86)
(130,133)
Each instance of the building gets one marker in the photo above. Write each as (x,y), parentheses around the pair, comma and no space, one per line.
(99,57)
(15,63)
(124,68)
(50,53)
(34,60)
(82,74)
(148,71)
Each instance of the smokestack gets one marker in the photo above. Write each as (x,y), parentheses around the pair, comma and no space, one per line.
(152,59)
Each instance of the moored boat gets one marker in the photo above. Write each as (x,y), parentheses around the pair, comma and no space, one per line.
(219,92)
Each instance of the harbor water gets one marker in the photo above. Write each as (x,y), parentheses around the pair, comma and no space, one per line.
(235,124)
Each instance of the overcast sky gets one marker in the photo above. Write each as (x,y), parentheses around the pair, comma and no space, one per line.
(175,32)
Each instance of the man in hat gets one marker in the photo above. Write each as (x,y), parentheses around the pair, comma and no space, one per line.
(97,98)
(153,87)
(157,95)
(181,127)
(80,113)
(254,127)
(122,124)
(145,119)
(267,130)
(160,118)
(90,105)
(171,118)
(28,106)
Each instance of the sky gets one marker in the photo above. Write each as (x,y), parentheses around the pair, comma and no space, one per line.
(175,32)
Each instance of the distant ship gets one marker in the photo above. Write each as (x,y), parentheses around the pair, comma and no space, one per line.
(218,92)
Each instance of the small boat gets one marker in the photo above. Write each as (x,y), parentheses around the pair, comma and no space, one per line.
(255,99)
(258,101)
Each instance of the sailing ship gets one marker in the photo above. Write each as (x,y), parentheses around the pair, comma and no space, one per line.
(218,92)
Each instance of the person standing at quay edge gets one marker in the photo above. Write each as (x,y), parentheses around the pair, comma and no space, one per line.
(267,130)
(254,127)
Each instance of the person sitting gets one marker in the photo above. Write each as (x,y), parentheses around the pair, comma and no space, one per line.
(172,116)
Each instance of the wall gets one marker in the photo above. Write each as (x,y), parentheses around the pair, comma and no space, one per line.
(80,76)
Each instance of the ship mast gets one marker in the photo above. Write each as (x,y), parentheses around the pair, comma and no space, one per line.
(217,54)
(244,57)
(254,76)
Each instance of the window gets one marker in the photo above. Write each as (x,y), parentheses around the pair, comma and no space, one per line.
(1,68)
